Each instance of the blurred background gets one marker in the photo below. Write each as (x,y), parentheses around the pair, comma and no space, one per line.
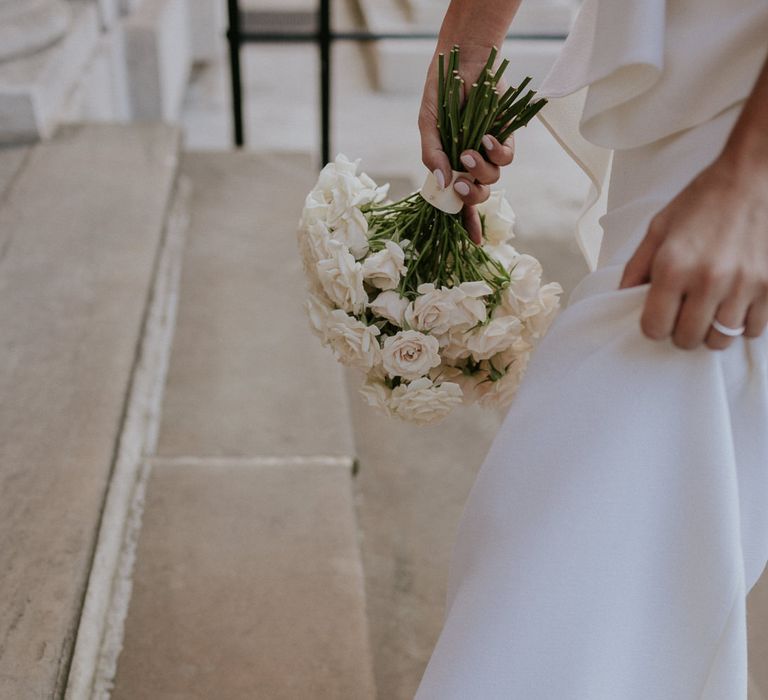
(194,501)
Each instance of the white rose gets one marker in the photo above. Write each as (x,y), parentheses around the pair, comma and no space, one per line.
(410,354)
(353,342)
(391,306)
(504,253)
(454,345)
(499,218)
(318,313)
(377,394)
(433,310)
(494,337)
(467,381)
(499,393)
(423,402)
(546,306)
(342,279)
(469,305)
(383,269)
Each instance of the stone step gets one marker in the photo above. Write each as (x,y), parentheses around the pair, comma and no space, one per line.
(248,581)
(248,584)
(247,377)
(81,224)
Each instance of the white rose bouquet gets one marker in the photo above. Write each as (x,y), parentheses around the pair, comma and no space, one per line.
(400,291)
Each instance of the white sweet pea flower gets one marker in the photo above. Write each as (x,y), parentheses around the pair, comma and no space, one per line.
(318,313)
(423,402)
(383,269)
(525,278)
(377,394)
(390,306)
(434,310)
(410,354)
(504,253)
(339,187)
(545,306)
(351,229)
(494,337)
(315,209)
(499,218)
(372,192)
(353,342)
(316,238)
(341,278)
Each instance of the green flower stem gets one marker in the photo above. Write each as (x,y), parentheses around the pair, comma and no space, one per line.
(441,250)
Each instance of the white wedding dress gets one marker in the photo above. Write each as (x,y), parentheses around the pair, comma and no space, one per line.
(621,514)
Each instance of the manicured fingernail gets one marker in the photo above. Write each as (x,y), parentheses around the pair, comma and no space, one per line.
(440,178)
(488,143)
(461,187)
(468,161)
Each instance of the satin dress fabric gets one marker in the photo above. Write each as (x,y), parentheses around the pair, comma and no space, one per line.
(620,516)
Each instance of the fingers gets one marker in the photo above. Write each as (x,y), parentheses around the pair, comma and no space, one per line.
(660,311)
(694,320)
(480,169)
(471,192)
(498,153)
(472,224)
(731,312)
(432,154)
(637,271)
(756,318)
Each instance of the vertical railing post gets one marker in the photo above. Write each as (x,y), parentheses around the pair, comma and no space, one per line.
(324,45)
(234,39)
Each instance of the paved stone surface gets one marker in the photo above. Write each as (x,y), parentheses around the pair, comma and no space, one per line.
(81,226)
(11,160)
(247,377)
(757,624)
(248,585)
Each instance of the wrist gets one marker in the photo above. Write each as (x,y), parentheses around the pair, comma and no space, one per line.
(745,153)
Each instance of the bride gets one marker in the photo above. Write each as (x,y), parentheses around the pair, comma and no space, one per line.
(621,514)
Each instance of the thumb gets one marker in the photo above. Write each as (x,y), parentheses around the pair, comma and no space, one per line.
(432,154)
(637,271)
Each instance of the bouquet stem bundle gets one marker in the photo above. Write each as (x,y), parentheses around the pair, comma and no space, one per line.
(442,251)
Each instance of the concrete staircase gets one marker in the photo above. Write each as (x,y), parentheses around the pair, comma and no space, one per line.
(248,581)
(178,513)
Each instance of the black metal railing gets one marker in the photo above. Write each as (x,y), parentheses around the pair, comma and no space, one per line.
(323,36)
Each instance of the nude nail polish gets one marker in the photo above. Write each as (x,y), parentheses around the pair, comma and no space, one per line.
(468,161)
(487,142)
(462,188)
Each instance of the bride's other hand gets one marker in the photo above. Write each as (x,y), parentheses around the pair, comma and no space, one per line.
(706,253)
(481,172)
(706,257)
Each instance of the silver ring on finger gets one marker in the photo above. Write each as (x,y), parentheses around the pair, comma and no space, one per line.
(727,330)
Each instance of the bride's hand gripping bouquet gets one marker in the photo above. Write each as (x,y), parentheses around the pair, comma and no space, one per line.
(400,291)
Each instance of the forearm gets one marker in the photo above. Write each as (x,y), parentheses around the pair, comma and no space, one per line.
(474,23)
(747,145)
